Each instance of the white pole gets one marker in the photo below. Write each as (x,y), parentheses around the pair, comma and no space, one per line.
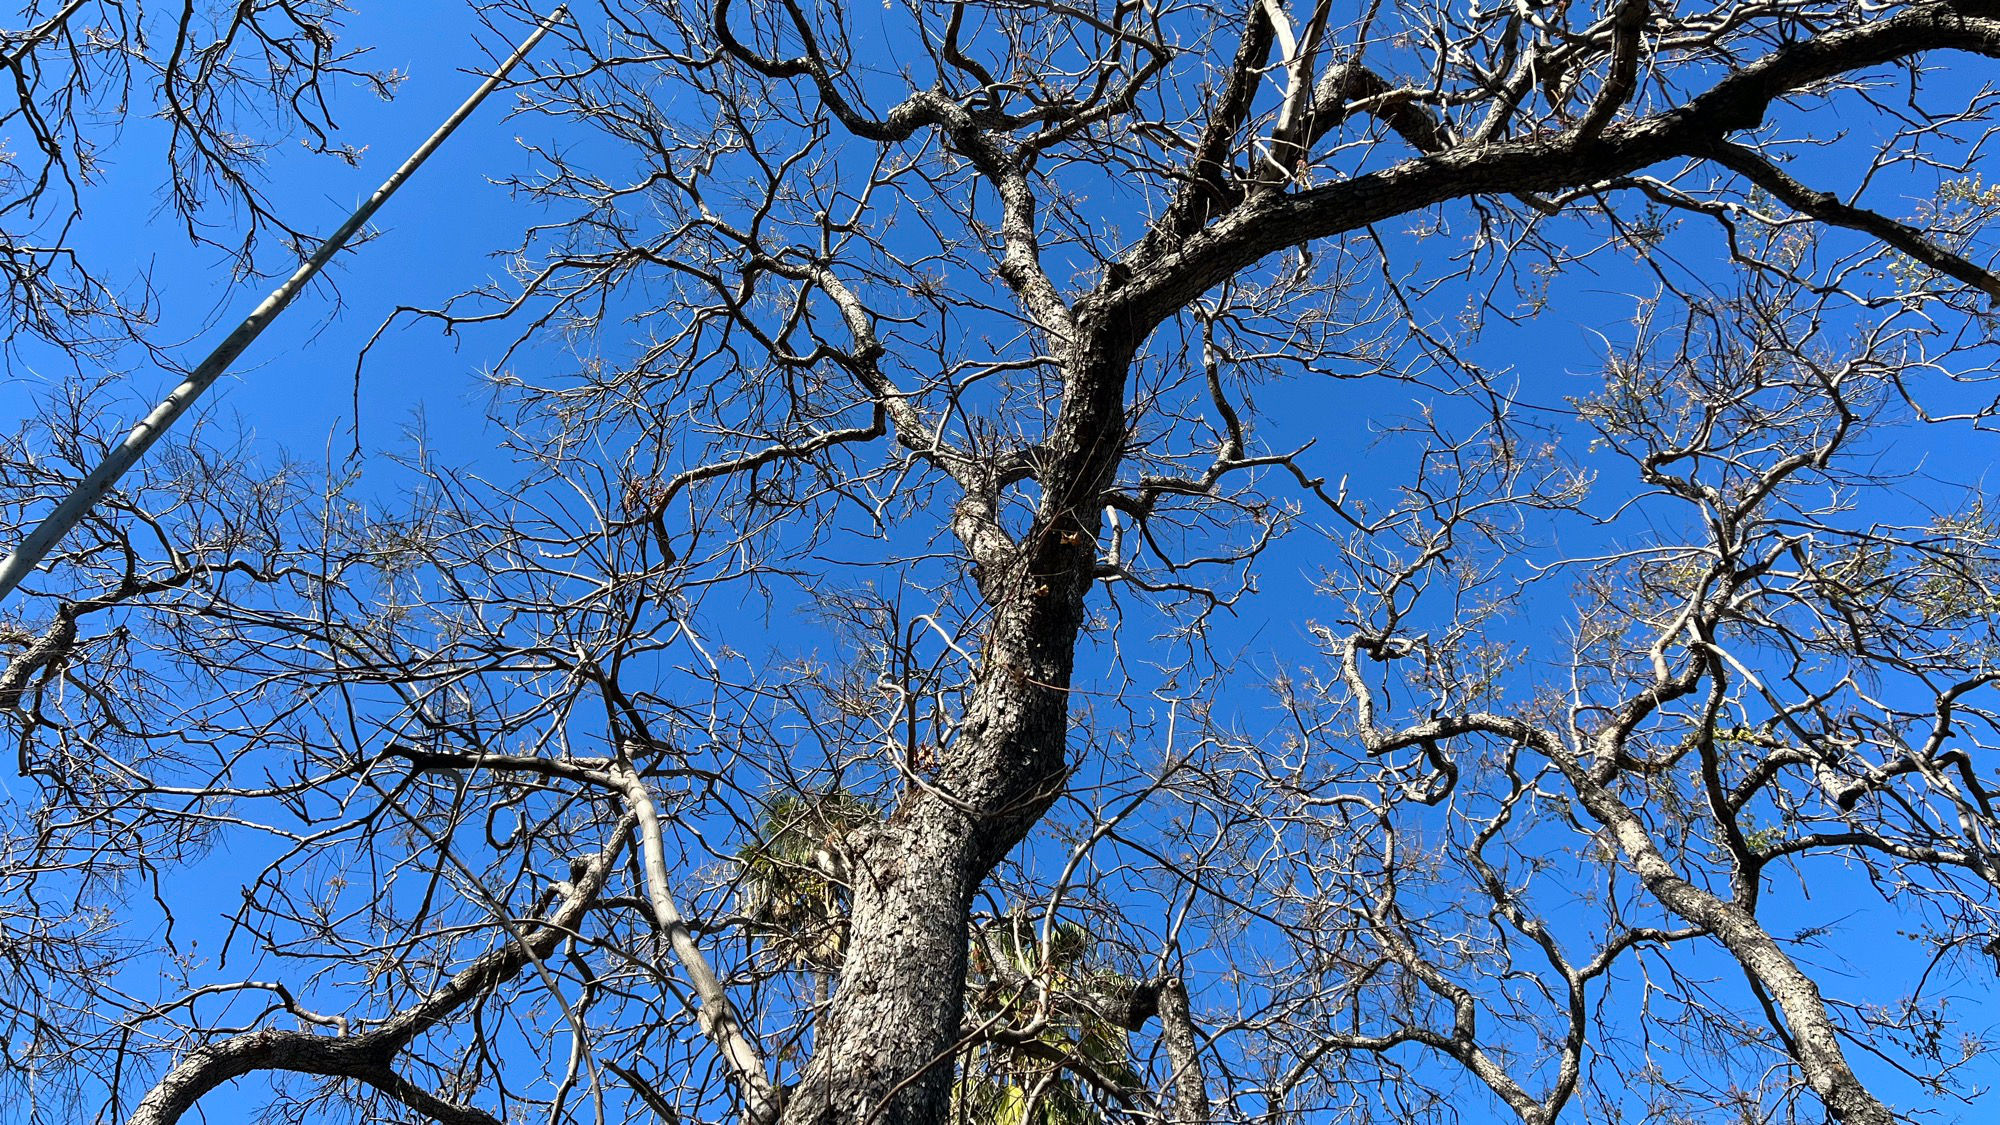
(93,487)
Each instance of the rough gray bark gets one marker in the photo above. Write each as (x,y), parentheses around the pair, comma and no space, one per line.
(884,1049)
(1190,1081)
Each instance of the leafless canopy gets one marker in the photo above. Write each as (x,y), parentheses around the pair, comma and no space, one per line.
(1050,563)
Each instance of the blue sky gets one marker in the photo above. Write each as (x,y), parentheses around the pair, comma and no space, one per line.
(296,390)
(435,238)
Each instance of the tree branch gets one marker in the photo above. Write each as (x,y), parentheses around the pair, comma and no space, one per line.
(718,1016)
(1829,208)
(367,1056)
(1278,221)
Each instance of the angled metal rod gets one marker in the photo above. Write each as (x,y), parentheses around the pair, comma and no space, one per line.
(92,488)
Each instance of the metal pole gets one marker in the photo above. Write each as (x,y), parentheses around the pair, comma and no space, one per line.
(93,487)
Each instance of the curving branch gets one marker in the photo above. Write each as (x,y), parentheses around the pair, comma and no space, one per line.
(370,1056)
(718,1016)
(1832,210)
(1269,223)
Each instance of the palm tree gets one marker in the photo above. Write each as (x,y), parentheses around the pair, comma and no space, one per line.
(1042,1035)
(794,874)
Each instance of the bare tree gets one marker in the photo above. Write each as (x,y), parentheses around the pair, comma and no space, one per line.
(874,683)
(210,89)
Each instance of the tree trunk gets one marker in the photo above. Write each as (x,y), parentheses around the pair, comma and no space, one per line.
(884,1051)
